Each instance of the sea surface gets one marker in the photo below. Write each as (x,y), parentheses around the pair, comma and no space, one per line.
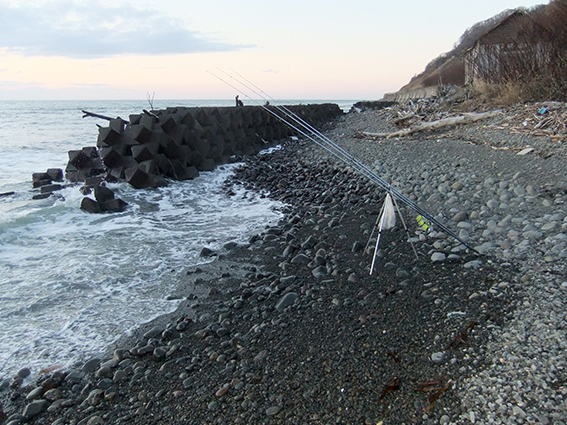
(72,283)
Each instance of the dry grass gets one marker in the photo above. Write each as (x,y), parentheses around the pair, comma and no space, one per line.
(504,94)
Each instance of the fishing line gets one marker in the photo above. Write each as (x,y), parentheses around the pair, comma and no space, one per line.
(307,130)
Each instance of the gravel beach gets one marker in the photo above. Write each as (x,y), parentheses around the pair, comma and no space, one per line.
(292,329)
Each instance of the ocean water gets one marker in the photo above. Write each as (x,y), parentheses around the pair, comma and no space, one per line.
(72,283)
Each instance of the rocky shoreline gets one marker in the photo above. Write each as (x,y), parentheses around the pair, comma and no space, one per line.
(291,328)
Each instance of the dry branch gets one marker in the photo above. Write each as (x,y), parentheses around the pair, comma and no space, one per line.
(92,114)
(435,125)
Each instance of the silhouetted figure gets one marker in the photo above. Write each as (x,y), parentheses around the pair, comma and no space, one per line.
(238,101)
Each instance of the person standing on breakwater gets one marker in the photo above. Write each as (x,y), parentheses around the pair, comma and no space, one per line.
(238,101)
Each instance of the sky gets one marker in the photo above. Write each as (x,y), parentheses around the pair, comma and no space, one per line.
(178,49)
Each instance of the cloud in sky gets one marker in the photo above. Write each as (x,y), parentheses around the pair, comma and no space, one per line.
(87,30)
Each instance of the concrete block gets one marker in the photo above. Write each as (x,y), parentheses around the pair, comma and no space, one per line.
(141,153)
(140,133)
(169,122)
(91,206)
(164,165)
(117,125)
(56,174)
(103,194)
(110,156)
(135,119)
(187,118)
(208,164)
(79,159)
(148,121)
(107,136)
(114,205)
(150,167)
(137,177)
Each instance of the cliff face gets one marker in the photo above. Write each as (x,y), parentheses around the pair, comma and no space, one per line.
(521,49)
(451,72)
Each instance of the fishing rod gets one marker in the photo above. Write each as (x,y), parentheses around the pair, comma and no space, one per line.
(304,128)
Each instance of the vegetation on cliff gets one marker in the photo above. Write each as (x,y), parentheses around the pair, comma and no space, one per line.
(517,55)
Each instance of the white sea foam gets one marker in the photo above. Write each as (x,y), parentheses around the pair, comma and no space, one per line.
(72,283)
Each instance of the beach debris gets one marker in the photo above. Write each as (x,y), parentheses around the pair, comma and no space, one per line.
(93,115)
(394,356)
(392,385)
(525,151)
(431,385)
(49,369)
(435,387)
(434,125)
(462,337)
(545,119)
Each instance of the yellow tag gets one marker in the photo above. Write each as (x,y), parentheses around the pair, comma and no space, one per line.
(422,223)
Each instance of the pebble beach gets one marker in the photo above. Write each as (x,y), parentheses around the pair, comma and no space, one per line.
(291,328)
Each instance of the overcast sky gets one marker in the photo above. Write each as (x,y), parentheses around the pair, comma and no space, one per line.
(292,49)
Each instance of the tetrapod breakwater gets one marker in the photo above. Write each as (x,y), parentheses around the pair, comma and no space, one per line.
(179,142)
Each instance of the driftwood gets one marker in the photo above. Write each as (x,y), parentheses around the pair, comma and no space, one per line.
(434,125)
(151,114)
(92,114)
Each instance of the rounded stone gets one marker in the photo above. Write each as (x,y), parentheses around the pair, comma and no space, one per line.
(23,373)
(438,256)
(287,300)
(35,408)
(91,365)
(272,411)
(460,216)
(438,357)
(457,186)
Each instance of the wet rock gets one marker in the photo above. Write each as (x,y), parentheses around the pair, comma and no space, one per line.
(95,397)
(52,394)
(319,272)
(287,300)
(35,408)
(272,411)
(153,332)
(23,373)
(300,259)
(261,356)
(91,365)
(206,252)
(35,393)
(75,376)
